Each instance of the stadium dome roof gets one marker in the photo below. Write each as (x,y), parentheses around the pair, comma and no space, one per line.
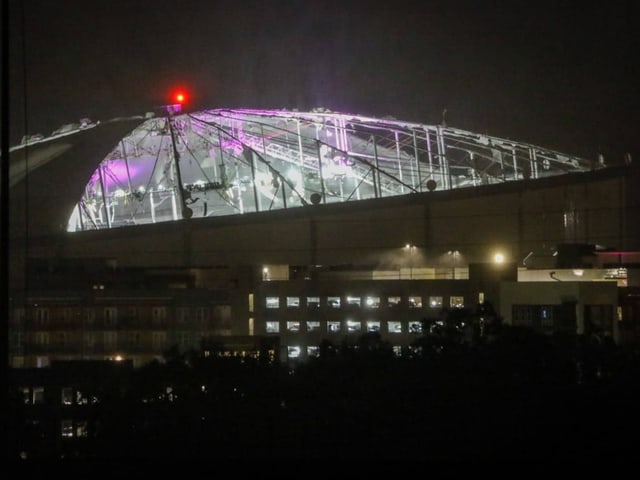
(233,161)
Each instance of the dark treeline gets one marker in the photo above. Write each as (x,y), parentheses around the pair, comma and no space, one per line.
(512,392)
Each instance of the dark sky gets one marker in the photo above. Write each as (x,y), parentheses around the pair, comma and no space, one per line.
(559,74)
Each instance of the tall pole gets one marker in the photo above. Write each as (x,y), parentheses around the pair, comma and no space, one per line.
(185,210)
(4,220)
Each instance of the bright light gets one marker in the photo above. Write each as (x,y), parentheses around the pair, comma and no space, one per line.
(498,258)
(180,97)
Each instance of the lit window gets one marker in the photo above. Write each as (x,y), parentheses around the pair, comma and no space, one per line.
(415,327)
(435,302)
(273,302)
(38,395)
(313,351)
(353,326)
(353,301)
(293,352)
(415,302)
(66,428)
(293,302)
(272,327)
(397,350)
(333,327)
(373,326)
(414,350)
(394,327)
(67,396)
(293,326)
(313,302)
(82,429)
(313,326)
(81,398)
(393,301)
(333,302)
(372,302)
(456,302)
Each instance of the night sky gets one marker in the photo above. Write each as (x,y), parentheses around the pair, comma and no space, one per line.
(559,74)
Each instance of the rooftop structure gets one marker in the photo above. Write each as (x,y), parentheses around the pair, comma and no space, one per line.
(224,162)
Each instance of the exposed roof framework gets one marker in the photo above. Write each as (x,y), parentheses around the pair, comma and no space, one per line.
(234,161)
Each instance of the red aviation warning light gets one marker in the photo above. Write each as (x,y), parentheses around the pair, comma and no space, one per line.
(178,100)
(179,97)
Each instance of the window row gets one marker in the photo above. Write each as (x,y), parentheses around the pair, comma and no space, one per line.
(313,351)
(111,316)
(348,326)
(413,301)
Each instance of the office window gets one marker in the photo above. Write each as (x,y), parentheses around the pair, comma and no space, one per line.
(26,395)
(415,302)
(110,340)
(414,350)
(353,326)
(372,302)
(435,302)
(394,327)
(110,316)
(89,316)
(89,339)
(313,326)
(67,315)
(415,327)
(273,302)
(202,315)
(397,350)
(272,327)
(293,351)
(133,339)
(81,398)
(66,428)
(313,351)
(42,316)
(159,340)
(456,302)
(159,315)
(37,395)
(333,327)
(293,326)
(353,301)
(61,339)
(42,339)
(313,302)
(293,302)
(373,326)
(182,314)
(82,429)
(67,396)
(333,302)
(393,301)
